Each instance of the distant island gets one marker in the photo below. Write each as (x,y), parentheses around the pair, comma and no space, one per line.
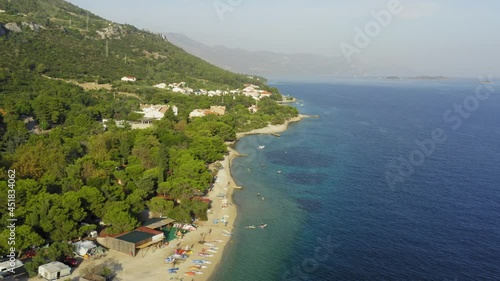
(431,78)
(418,78)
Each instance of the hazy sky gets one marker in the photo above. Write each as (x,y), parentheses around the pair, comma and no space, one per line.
(449,37)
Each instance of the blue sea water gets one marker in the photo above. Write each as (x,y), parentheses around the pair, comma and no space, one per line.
(331,213)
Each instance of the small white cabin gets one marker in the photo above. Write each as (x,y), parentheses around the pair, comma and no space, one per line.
(129,79)
(54,270)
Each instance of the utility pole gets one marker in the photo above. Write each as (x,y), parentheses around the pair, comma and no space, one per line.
(87,20)
(107,48)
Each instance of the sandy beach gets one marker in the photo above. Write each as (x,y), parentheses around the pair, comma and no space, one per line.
(149,264)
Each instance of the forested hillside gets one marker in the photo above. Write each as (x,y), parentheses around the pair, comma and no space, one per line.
(73,171)
(58,39)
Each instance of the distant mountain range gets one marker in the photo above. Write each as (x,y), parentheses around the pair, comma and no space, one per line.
(264,63)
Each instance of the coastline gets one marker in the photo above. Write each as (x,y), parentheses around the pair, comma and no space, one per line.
(272,129)
(149,264)
(231,184)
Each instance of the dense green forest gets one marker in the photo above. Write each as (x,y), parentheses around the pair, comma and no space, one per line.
(75,172)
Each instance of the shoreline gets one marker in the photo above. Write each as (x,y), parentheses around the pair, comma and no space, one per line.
(271,129)
(226,164)
(149,264)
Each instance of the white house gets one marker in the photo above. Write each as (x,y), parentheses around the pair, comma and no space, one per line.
(129,79)
(178,90)
(264,94)
(160,86)
(249,89)
(197,113)
(178,85)
(217,110)
(54,270)
(156,112)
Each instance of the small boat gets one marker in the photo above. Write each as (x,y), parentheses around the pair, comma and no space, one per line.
(199,262)
(211,251)
(216,241)
(279,171)
(173,270)
(208,244)
(196,267)
(205,255)
(262,147)
(262,226)
(183,252)
(169,259)
(190,273)
(176,256)
(250,226)
(226,233)
(202,262)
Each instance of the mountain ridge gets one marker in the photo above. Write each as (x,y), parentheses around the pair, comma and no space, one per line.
(65,41)
(288,66)
(264,63)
